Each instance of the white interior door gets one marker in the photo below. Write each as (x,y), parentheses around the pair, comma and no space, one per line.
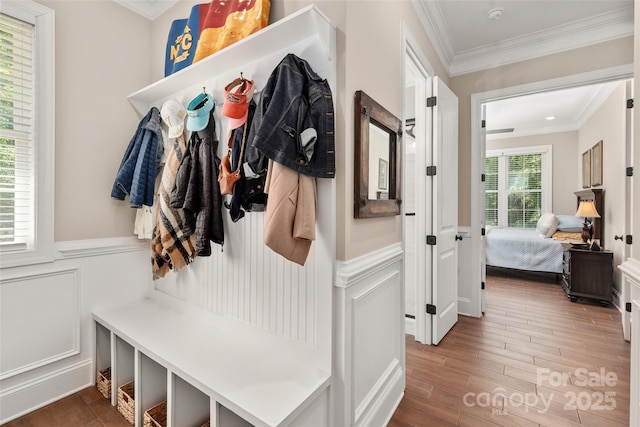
(626,291)
(483,242)
(444,306)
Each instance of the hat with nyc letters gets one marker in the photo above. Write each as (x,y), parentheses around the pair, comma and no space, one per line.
(173,114)
(198,112)
(237,96)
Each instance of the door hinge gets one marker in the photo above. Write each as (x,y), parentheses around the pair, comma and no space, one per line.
(482,231)
(630,103)
(431,171)
(431,309)
(483,124)
(432,101)
(629,239)
(431,240)
(628,307)
(483,177)
(629,171)
(482,285)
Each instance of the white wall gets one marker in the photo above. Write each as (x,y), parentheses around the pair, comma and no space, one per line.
(564,168)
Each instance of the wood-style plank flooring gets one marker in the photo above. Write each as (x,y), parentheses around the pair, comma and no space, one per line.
(533,359)
(506,368)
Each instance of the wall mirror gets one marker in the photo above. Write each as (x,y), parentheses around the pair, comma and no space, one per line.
(378,142)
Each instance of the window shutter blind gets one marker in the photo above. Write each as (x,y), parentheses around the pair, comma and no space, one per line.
(17,174)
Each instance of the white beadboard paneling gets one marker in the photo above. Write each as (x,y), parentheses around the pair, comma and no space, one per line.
(39,320)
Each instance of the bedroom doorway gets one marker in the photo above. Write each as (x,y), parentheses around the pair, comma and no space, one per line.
(480,101)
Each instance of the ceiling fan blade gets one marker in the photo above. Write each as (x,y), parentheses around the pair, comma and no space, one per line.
(505,130)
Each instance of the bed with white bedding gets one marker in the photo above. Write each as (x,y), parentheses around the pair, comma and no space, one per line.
(523,249)
(540,249)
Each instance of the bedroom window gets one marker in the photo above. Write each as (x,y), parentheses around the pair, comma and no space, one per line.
(26,133)
(517,186)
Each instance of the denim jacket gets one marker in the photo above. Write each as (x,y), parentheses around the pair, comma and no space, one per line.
(294,120)
(137,172)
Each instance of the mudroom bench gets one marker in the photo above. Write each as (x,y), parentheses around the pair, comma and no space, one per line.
(203,372)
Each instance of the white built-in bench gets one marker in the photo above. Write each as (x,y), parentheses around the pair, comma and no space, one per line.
(260,385)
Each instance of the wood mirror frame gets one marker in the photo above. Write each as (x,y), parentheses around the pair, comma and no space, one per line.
(369,113)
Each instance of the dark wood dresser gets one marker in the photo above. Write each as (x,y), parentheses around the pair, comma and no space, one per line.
(587,274)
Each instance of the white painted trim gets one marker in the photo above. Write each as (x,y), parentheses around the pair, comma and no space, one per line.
(45,389)
(349,273)
(72,249)
(477,99)
(618,300)
(631,268)
(75,348)
(44,75)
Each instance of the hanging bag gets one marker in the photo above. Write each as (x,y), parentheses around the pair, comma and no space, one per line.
(226,177)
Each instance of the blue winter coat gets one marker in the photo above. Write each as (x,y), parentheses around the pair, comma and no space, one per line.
(137,172)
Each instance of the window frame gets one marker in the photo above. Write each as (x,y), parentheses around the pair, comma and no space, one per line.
(42,250)
(547,177)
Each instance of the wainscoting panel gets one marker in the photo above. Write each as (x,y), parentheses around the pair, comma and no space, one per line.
(369,338)
(47,335)
(39,320)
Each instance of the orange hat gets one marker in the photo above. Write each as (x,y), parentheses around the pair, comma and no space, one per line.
(236,102)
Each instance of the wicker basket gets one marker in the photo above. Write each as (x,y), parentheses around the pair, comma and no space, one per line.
(104,382)
(156,416)
(207,424)
(126,402)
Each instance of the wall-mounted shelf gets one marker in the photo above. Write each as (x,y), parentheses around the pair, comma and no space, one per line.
(307,33)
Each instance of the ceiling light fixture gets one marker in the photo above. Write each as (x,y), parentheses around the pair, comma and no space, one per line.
(495,13)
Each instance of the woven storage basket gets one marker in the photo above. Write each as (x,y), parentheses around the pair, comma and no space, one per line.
(156,416)
(207,424)
(104,382)
(126,402)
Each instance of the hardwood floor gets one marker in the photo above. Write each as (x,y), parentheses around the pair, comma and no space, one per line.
(527,362)
(533,359)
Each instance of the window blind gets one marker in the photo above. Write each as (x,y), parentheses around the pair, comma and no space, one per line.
(16,133)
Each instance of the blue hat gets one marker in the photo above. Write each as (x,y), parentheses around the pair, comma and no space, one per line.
(198,112)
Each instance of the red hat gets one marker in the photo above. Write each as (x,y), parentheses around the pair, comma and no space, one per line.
(236,102)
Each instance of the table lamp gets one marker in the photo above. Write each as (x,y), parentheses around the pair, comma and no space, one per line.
(586,209)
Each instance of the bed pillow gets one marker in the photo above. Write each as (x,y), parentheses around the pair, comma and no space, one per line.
(570,223)
(547,224)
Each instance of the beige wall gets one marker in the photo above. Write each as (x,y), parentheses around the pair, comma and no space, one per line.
(608,124)
(596,57)
(564,168)
(102,55)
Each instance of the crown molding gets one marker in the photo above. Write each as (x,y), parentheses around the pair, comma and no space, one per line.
(595,100)
(585,32)
(150,9)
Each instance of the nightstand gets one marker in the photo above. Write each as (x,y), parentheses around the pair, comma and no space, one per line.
(587,274)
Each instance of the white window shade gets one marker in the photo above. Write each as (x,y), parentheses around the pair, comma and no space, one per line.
(27,133)
(17,184)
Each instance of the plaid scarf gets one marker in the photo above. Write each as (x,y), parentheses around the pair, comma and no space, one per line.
(171,246)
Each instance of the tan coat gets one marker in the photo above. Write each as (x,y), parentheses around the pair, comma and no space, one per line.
(290,216)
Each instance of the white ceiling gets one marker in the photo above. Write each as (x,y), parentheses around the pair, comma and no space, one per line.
(467,40)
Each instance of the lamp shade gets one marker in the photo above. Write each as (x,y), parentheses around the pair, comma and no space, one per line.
(586,209)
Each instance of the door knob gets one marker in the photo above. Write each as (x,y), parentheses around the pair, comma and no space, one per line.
(458,237)
(618,237)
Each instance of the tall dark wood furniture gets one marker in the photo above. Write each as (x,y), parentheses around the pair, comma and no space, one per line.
(587,274)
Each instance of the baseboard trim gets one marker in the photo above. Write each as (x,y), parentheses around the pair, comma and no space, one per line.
(38,392)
